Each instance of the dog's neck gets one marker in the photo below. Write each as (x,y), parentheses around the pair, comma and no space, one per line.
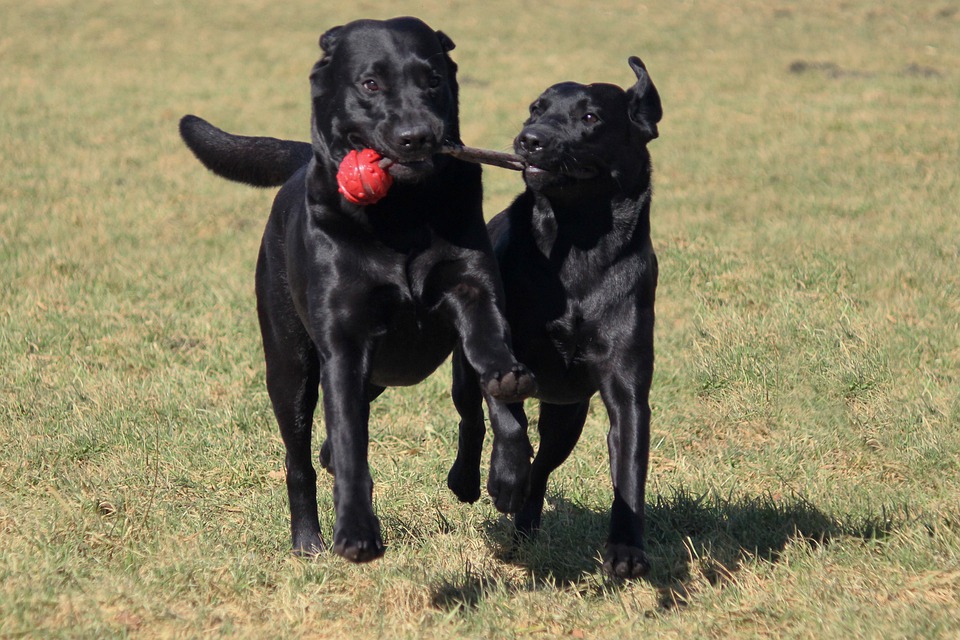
(399,221)
(561,223)
(321,181)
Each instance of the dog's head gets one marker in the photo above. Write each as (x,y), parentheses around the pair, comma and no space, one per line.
(389,86)
(578,133)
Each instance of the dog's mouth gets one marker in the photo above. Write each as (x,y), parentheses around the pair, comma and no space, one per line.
(412,170)
(576,173)
(403,168)
(539,176)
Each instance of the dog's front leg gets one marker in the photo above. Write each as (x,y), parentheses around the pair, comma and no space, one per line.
(507,483)
(464,476)
(626,397)
(504,382)
(560,426)
(344,377)
(509,480)
(629,444)
(470,304)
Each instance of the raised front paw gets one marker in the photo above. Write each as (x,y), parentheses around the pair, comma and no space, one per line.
(510,386)
(509,480)
(625,561)
(357,538)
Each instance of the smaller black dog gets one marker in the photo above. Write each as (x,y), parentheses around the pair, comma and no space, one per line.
(580,276)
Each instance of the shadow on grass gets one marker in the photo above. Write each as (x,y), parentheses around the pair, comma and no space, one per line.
(689,538)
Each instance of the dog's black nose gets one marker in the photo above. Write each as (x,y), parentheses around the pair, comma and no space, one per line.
(529,141)
(414,138)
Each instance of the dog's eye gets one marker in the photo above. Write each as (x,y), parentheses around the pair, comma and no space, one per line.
(371,85)
(534,109)
(434,81)
(591,118)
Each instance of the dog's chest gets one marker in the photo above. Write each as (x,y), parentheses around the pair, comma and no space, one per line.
(573,335)
(575,328)
(411,338)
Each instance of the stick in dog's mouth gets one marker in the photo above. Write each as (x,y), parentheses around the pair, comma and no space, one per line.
(481,156)
(485,156)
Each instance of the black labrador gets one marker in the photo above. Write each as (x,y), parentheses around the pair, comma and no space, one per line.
(358,298)
(580,276)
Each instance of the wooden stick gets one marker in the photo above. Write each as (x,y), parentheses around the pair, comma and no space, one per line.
(480,156)
(485,156)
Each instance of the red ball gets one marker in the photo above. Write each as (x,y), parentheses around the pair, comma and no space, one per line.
(360,178)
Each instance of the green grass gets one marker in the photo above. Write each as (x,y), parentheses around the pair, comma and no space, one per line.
(805,476)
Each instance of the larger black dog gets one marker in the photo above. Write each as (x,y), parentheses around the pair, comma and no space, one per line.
(580,276)
(357,299)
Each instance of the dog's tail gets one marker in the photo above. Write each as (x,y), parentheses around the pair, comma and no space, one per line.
(257,161)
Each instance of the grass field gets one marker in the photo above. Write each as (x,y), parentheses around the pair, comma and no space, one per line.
(805,469)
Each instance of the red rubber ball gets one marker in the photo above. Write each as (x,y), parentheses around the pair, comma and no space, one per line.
(360,178)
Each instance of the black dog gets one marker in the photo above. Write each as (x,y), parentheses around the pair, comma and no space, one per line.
(580,276)
(355,299)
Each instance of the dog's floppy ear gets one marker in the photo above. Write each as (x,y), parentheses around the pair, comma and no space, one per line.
(448,45)
(644,107)
(328,42)
(445,42)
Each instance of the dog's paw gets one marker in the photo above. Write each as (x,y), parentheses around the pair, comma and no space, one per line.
(358,539)
(526,524)
(464,482)
(326,457)
(357,550)
(625,561)
(511,386)
(509,480)
(308,545)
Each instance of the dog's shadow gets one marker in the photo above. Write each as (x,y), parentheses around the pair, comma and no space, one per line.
(689,538)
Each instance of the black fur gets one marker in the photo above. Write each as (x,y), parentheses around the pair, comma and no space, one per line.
(356,299)
(257,161)
(580,277)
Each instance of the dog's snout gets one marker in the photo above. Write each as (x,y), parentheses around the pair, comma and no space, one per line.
(414,138)
(529,141)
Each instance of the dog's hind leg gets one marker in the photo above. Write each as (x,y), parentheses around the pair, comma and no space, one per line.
(464,476)
(292,382)
(560,427)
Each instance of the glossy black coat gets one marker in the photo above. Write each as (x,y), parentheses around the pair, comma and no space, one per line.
(354,299)
(580,277)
